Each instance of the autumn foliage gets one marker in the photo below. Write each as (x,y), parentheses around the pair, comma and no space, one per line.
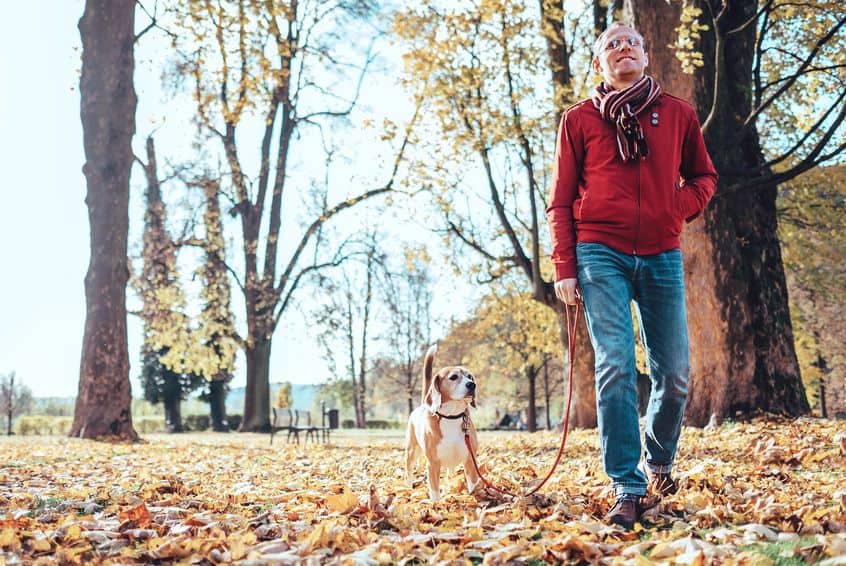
(749,493)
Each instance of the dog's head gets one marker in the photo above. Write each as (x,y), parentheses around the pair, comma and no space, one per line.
(452,383)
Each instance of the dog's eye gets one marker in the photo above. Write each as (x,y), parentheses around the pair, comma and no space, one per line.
(453,377)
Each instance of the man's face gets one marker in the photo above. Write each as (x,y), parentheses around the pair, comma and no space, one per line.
(621,59)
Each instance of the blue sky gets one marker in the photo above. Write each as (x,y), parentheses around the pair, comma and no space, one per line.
(44,254)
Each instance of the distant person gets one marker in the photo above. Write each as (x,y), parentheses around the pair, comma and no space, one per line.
(630,168)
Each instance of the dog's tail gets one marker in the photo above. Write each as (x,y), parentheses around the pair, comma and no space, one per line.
(428,361)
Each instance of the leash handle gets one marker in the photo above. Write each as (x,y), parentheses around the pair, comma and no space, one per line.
(572,326)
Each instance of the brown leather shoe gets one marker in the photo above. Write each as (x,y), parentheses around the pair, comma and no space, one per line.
(625,511)
(662,483)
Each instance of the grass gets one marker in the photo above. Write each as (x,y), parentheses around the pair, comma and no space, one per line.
(789,553)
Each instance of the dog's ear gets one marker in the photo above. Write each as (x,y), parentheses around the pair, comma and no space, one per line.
(433,396)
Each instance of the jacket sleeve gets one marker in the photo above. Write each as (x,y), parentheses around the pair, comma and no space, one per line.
(566,171)
(698,173)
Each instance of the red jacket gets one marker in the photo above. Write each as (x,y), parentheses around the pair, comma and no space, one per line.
(636,207)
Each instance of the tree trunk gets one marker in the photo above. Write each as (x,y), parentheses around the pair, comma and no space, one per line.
(742,355)
(217,405)
(823,406)
(108,102)
(531,376)
(600,17)
(583,404)
(257,395)
(558,53)
(10,400)
(361,396)
(173,404)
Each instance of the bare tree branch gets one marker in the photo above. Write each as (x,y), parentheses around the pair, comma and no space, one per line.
(317,223)
(761,170)
(452,227)
(750,120)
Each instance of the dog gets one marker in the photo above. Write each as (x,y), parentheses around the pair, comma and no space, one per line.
(436,427)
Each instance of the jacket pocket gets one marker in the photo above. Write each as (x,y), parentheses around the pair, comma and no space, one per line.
(579,207)
(678,208)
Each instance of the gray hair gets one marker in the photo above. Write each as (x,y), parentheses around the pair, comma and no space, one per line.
(599,44)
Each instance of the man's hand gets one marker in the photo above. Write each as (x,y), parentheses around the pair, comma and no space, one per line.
(567,290)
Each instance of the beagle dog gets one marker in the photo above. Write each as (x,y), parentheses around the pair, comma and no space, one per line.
(436,428)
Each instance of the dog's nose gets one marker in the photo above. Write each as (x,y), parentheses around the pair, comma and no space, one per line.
(471,386)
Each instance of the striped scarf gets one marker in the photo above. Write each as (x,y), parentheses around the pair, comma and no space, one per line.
(622,107)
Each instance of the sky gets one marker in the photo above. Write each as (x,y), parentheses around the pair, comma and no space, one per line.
(43,255)
(44,231)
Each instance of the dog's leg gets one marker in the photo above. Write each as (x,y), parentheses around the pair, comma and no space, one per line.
(470,475)
(434,477)
(410,453)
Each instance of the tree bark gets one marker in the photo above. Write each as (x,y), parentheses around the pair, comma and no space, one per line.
(558,53)
(217,405)
(108,102)
(257,394)
(10,404)
(600,17)
(531,377)
(361,396)
(173,404)
(742,354)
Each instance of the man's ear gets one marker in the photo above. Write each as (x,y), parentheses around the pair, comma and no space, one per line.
(433,396)
(596,66)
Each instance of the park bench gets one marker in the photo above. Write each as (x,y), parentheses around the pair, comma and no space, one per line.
(295,421)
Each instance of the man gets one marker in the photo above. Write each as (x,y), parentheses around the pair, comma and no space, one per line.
(630,168)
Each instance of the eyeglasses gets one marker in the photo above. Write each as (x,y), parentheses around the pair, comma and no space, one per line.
(617,42)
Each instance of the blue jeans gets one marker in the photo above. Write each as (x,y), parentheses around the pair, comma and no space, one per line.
(609,282)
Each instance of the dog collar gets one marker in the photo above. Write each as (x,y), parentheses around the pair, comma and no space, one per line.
(458,416)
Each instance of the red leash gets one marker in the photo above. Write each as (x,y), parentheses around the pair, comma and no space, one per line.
(572,324)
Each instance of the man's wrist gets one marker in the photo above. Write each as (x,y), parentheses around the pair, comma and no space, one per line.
(565,271)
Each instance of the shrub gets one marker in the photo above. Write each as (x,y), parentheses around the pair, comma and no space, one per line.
(234,421)
(43,425)
(149,424)
(197,422)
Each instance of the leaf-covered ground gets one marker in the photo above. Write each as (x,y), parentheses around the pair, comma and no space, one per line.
(758,493)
